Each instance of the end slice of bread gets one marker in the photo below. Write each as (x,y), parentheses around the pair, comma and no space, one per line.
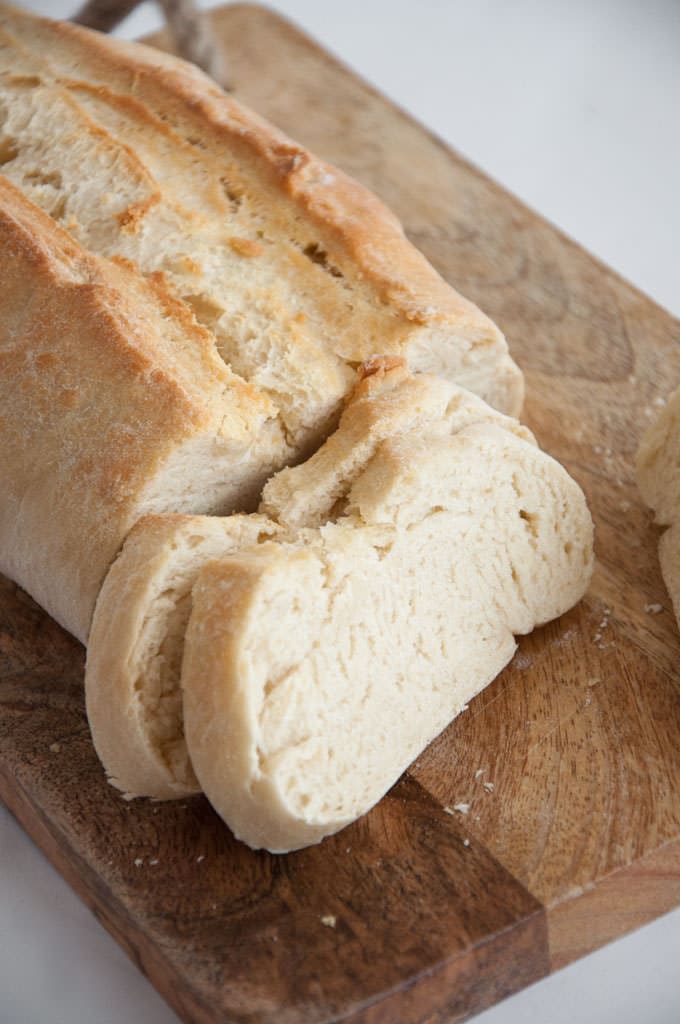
(316,670)
(134,655)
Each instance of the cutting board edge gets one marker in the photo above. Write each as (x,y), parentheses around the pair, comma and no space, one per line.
(103,903)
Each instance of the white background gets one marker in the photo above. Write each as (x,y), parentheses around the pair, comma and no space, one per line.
(574,106)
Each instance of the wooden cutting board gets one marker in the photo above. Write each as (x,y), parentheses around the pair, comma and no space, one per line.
(436,915)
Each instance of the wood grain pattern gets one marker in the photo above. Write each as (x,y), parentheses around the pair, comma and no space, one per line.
(579,839)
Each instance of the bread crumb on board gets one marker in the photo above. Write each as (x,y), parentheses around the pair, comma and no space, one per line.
(489,787)
(55,748)
(460,808)
(653,609)
(330,920)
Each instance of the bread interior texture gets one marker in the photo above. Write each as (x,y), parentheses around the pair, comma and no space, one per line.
(330,637)
(317,669)
(134,658)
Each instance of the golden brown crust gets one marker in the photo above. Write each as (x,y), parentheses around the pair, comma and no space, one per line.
(360,224)
(99,386)
(83,287)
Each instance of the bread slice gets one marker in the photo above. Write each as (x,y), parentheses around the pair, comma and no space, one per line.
(316,670)
(134,649)
(134,655)
(113,403)
(299,272)
(320,659)
(658,475)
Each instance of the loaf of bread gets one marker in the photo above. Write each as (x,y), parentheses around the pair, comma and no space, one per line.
(152,220)
(190,300)
(658,475)
(330,640)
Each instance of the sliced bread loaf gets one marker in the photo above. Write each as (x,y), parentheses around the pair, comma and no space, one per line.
(438,531)
(134,649)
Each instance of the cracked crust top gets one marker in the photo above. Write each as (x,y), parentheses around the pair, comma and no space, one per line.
(356,229)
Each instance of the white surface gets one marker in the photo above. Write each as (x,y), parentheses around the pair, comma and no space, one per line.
(574,107)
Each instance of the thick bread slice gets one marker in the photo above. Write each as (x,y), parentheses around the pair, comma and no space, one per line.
(416,488)
(658,475)
(316,670)
(113,403)
(299,271)
(134,655)
(132,676)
